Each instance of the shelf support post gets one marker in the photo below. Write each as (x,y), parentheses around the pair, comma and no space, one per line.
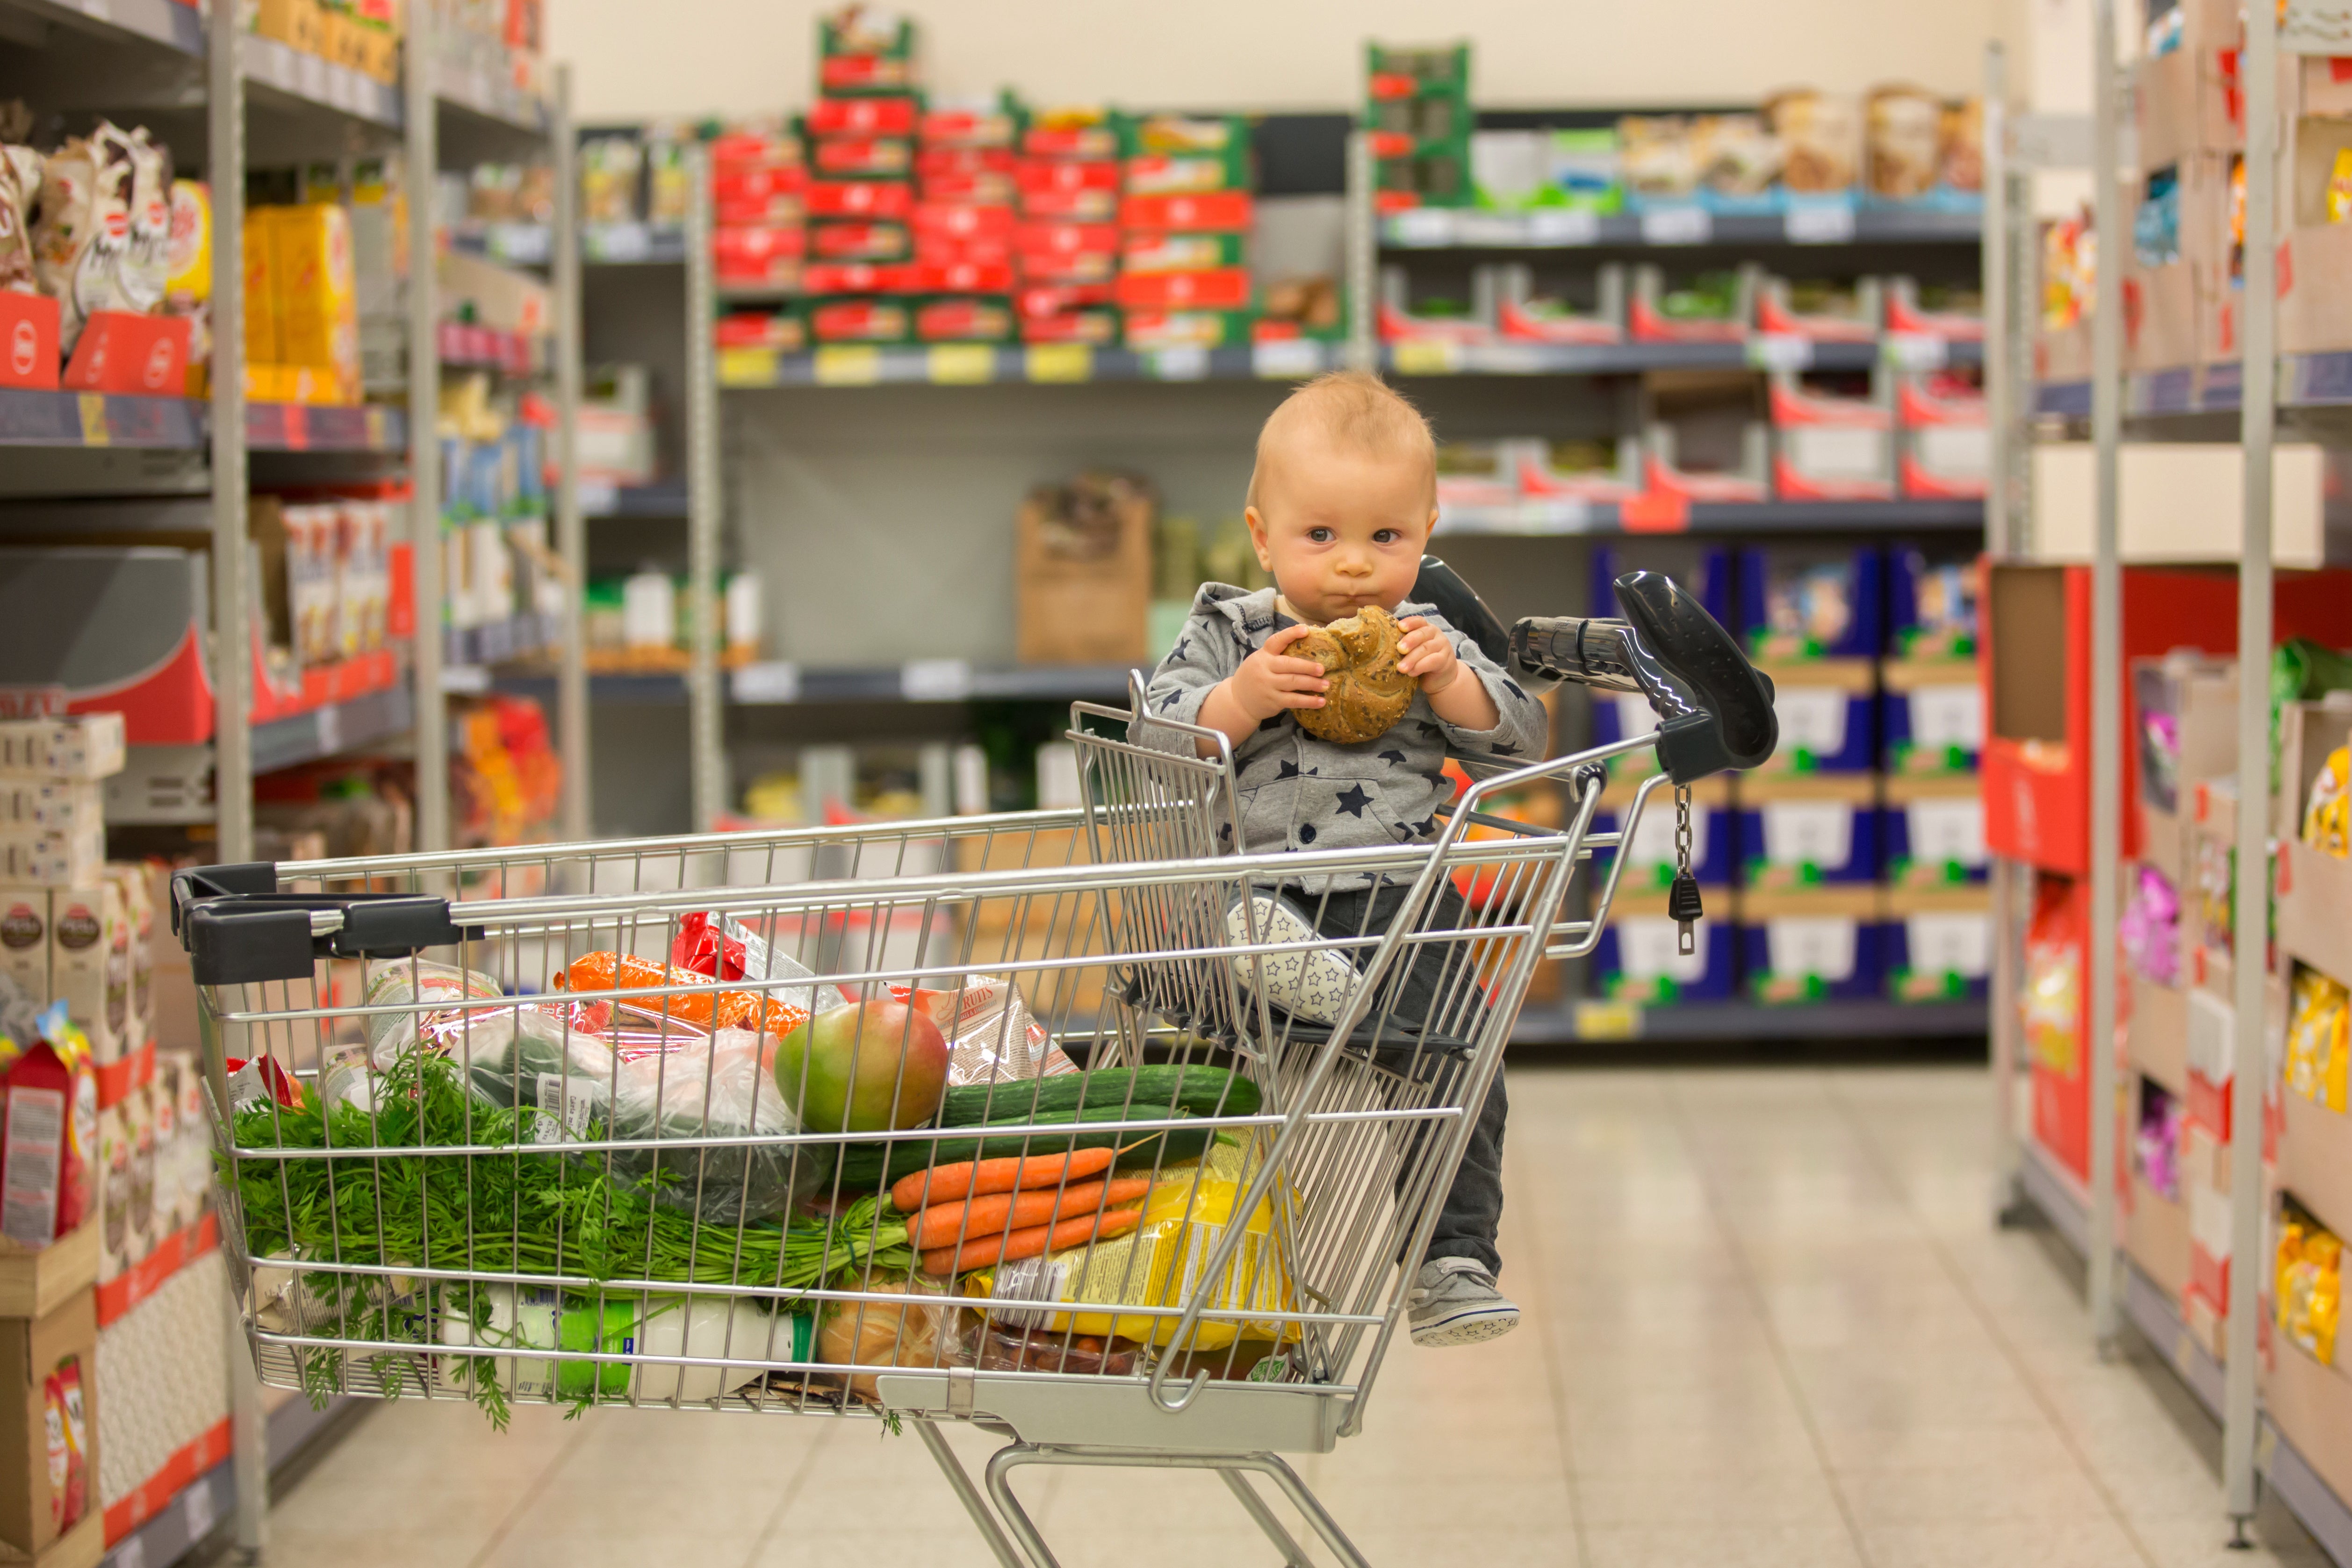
(1362,256)
(2250,1072)
(570,528)
(706,741)
(422,131)
(232,641)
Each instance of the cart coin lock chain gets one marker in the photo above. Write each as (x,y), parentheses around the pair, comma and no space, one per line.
(1682,905)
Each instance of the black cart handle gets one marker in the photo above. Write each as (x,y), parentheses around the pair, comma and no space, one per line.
(238,930)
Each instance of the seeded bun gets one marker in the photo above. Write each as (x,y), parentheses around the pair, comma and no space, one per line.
(1369,693)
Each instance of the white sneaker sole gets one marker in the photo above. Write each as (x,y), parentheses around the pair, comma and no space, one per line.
(1469,1327)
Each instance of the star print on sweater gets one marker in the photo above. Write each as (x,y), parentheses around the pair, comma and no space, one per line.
(1393,756)
(1353,799)
(1289,769)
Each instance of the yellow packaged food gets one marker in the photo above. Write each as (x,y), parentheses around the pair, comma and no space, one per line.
(2310,1288)
(2339,187)
(261,344)
(1164,1263)
(2327,820)
(2319,1039)
(191,254)
(317,299)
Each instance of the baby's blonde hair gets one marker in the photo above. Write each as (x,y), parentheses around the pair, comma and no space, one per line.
(1354,411)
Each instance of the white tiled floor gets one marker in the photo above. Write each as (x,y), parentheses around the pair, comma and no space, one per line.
(1767,1323)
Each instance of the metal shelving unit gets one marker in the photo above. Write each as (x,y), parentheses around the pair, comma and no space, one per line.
(1584,1023)
(1680,227)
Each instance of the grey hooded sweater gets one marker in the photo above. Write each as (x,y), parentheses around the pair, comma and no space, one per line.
(1301,793)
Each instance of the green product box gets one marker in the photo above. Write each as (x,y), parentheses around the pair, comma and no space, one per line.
(1416,70)
(1150,250)
(1183,135)
(1149,330)
(866,30)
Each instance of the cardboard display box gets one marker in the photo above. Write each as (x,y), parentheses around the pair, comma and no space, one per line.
(31,1349)
(1809,830)
(1639,957)
(2155,1234)
(1825,707)
(2195,698)
(2314,888)
(1937,943)
(1931,830)
(2311,1406)
(1818,944)
(2181,503)
(2156,1031)
(1083,568)
(2314,1159)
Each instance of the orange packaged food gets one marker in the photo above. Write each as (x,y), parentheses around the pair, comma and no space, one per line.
(719,1010)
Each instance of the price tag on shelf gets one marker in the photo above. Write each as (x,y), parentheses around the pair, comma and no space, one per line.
(196,1504)
(1677,226)
(1287,359)
(1819,223)
(1059,362)
(457,680)
(936,679)
(131,1554)
(1563,226)
(1189,363)
(1608,1020)
(848,364)
(1421,227)
(1779,352)
(747,367)
(525,244)
(770,680)
(379,428)
(1426,356)
(330,730)
(1913,350)
(1489,229)
(619,242)
(597,497)
(91,406)
(960,365)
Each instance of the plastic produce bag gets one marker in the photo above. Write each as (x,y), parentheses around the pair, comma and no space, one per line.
(1164,1263)
(508,1317)
(877,1333)
(991,1035)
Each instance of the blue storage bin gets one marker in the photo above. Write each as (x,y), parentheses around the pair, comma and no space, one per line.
(1809,832)
(1938,945)
(1637,958)
(1931,832)
(1823,944)
(1812,601)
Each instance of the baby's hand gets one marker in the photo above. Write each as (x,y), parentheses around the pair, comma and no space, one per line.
(1428,654)
(1270,680)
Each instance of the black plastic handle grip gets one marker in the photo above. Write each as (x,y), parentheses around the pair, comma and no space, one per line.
(238,930)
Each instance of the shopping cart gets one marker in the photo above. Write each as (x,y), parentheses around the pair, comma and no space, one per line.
(626,1139)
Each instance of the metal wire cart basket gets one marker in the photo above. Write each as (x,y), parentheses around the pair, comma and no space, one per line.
(1058,1122)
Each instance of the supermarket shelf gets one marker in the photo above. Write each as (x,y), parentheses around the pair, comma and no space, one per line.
(2310,1499)
(273,69)
(662,498)
(2056,1193)
(631,245)
(461,345)
(476,91)
(1443,228)
(85,419)
(2151,1311)
(2305,381)
(333,729)
(211,1498)
(968,364)
(1708,1023)
(1610,518)
(499,642)
(775,683)
(176,26)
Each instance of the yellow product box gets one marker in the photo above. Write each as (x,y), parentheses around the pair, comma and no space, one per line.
(318,300)
(191,253)
(297,23)
(261,335)
(1163,1264)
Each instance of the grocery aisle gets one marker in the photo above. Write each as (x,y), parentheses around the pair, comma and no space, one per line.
(1768,1323)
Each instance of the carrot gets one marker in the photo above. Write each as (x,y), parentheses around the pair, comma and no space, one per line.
(964,1178)
(942,1224)
(986,1250)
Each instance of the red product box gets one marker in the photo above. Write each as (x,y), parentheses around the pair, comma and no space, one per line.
(1057,300)
(935,163)
(964,322)
(1086,204)
(1077,142)
(753,149)
(973,128)
(861,277)
(1035,174)
(861,321)
(756,181)
(965,277)
(1218,210)
(934,220)
(862,117)
(984,187)
(759,330)
(1068,266)
(1070,240)
(119,352)
(863,73)
(28,339)
(1226,288)
(1097,327)
(762,212)
(757,255)
(929,252)
(864,157)
(860,241)
(860,198)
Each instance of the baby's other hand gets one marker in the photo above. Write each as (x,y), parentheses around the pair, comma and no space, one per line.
(1428,654)
(1270,680)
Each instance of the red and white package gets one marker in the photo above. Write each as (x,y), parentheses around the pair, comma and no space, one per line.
(991,1038)
(67,1433)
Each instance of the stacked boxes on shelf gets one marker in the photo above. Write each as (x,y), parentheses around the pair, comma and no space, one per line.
(301,315)
(363,36)
(860,278)
(758,241)
(1067,247)
(1850,867)
(498,559)
(964,222)
(1185,277)
(1417,107)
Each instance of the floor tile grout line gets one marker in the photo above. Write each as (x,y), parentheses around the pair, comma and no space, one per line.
(1546,1333)
(530,1495)
(791,1494)
(1990,1321)
(1738,1251)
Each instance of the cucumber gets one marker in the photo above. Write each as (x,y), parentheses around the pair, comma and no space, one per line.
(867,1167)
(1199,1090)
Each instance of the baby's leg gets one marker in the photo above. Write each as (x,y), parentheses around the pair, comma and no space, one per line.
(1468,1221)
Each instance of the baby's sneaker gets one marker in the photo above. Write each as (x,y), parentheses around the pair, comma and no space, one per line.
(1454,1301)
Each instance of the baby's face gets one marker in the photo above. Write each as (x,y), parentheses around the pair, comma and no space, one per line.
(1340,530)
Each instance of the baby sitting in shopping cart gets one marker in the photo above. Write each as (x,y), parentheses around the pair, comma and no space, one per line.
(1341,503)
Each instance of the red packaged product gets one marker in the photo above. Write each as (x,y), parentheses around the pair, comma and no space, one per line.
(1070,238)
(49,1130)
(862,117)
(1054,300)
(28,339)
(861,73)
(861,277)
(860,241)
(1069,266)
(933,162)
(860,198)
(780,211)
(989,128)
(64,1414)
(934,220)
(931,252)
(1083,206)
(964,322)
(754,181)
(1097,327)
(1218,210)
(1088,141)
(966,278)
(750,149)
(1225,288)
(759,330)
(1037,174)
(860,322)
(864,157)
(984,187)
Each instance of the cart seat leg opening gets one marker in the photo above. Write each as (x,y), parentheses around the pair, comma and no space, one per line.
(1232,1468)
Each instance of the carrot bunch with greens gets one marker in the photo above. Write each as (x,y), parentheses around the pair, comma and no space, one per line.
(975,1213)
